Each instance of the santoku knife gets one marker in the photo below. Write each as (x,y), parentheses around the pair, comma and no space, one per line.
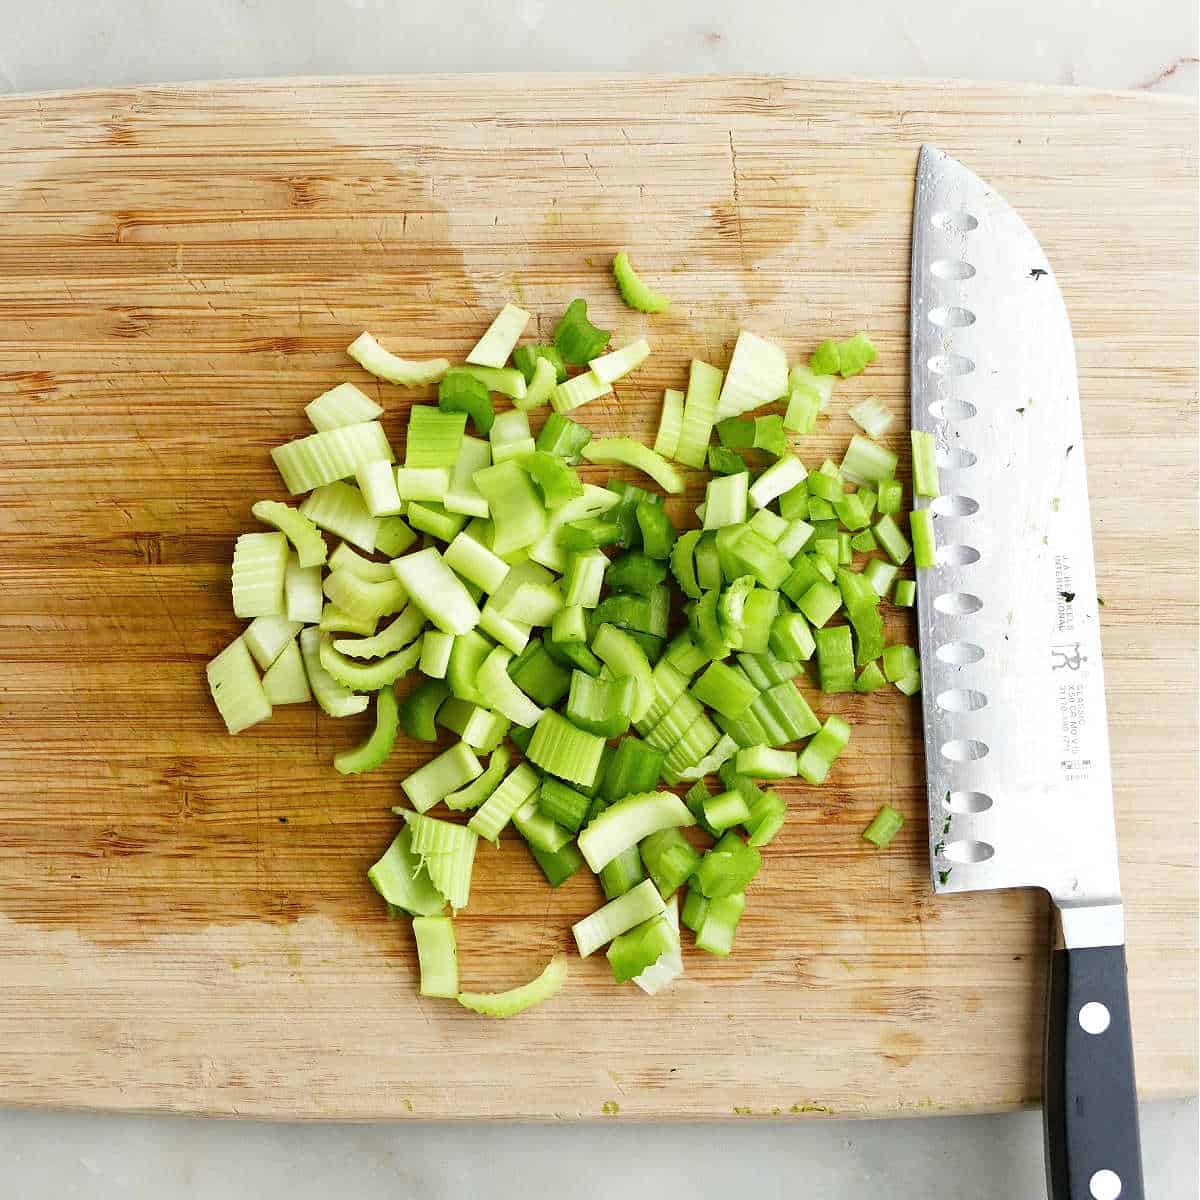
(1016,740)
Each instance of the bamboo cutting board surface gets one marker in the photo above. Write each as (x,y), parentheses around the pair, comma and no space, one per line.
(184,919)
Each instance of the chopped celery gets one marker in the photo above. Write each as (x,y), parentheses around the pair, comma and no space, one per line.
(781,476)
(658,533)
(835,658)
(584,577)
(448,852)
(508,381)
(512,634)
(285,680)
(904,594)
(600,706)
(699,413)
(364,600)
(511,426)
(763,762)
(434,437)
(695,908)
(569,625)
(725,500)
(501,694)
(697,740)
(556,481)
(910,685)
(341,405)
(403,630)
(259,566)
(529,594)
(516,1000)
(924,464)
(634,768)
(616,917)
(637,949)
(369,354)
(393,537)
(893,541)
(538,675)
(791,638)
(720,922)
(669,423)
(866,461)
(420,708)
(296,527)
(722,751)
(625,451)
(625,658)
(480,788)
(437,956)
(433,519)
(871,417)
(852,512)
(482,730)
(440,776)
(367,677)
(563,805)
(266,637)
(563,437)
(636,572)
(899,661)
(804,405)
(728,867)
(526,358)
(576,338)
(560,866)
(724,690)
(633,291)
(345,559)
(725,462)
(335,620)
(855,355)
(340,508)
(757,375)
(437,591)
(583,389)
(870,678)
(724,811)
(864,542)
(462,393)
(920,525)
(475,563)
(884,827)
(541,386)
(401,879)
(880,575)
(371,753)
(537,829)
(669,965)
(493,349)
(818,756)
(627,822)
(517,787)
(320,458)
(683,563)
(561,749)
(422,484)
(236,688)
(608,368)
(822,384)
(891,495)
(824,485)
(302,595)
(334,699)
(768,525)
(820,602)
(516,510)
(622,874)
(767,815)
(435,653)
(377,482)
(466,657)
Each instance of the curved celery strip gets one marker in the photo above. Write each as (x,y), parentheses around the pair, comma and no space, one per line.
(369,354)
(626,822)
(345,559)
(501,694)
(368,677)
(478,790)
(666,441)
(576,338)
(361,599)
(633,291)
(541,386)
(395,637)
(296,527)
(326,457)
(608,368)
(516,1000)
(623,451)
(378,746)
(333,698)
(437,591)
(623,656)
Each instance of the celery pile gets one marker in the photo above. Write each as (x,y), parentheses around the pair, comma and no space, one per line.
(535,617)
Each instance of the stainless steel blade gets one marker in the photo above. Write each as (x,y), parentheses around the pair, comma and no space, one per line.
(1016,740)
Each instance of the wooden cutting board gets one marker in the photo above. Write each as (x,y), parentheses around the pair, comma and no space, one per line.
(184,919)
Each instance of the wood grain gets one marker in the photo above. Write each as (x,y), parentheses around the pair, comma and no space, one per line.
(184,922)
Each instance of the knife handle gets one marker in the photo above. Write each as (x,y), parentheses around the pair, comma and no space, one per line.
(1093,1149)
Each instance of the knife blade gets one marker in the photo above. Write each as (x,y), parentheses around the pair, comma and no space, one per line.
(1016,737)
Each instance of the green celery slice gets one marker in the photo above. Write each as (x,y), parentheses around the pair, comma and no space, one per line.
(367,677)
(538,830)
(434,437)
(478,790)
(406,628)
(627,822)
(608,368)
(435,653)
(345,559)
(624,451)
(866,461)
(716,932)
(636,294)
(285,681)
(540,386)
(302,595)
(336,620)
(637,949)
(236,688)
(340,508)
(437,591)
(501,694)
(494,348)
(517,787)
(727,867)
(266,637)
(576,338)
(561,749)
(669,423)
(516,509)
(885,825)
(437,956)
(341,405)
(446,773)
(299,530)
(920,525)
(401,879)
(322,458)
(259,566)
(517,1000)
(376,481)
(371,753)
(370,355)
(583,389)
(616,917)
(334,699)
(818,756)
(699,413)
(870,416)
(757,375)
(363,600)
(448,852)
(419,711)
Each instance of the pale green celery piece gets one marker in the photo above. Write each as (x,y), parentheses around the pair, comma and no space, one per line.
(513,451)
(757,375)
(393,537)
(266,637)
(296,527)
(335,620)
(517,512)
(582,389)
(867,462)
(494,348)
(910,685)
(699,413)
(627,822)
(720,754)
(302,595)
(437,591)
(634,291)
(512,634)
(472,560)
(369,354)
(361,599)
(508,381)
(518,786)
(440,776)
(334,699)
(624,451)
(624,656)
(373,752)
(478,790)
(435,653)
(904,594)
(462,495)
(285,681)
(367,677)
(517,1000)
(770,525)
(448,852)
(880,574)
(405,629)
(345,559)
(924,464)
(236,688)
(638,904)
(669,423)
(322,458)
(669,965)
(781,476)
(423,483)
(529,594)
(725,500)
(795,538)
(584,576)
(401,879)
(764,762)
(541,386)
(482,730)
(511,426)
(801,373)
(870,416)
(594,502)
(537,828)
(341,405)
(340,508)
(608,368)
(259,565)
(377,482)
(437,956)
(501,694)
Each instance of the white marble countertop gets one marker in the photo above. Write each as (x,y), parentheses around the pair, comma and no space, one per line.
(81,43)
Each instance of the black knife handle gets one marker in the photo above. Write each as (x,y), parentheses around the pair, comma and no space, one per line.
(1090,1097)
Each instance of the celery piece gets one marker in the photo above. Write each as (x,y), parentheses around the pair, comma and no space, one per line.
(821,384)
(767,815)
(475,563)
(529,594)
(570,625)
(434,437)
(576,338)
(637,949)
(517,512)
(668,966)
(367,677)
(763,762)
(826,359)
(335,620)
(708,563)
(855,355)
(835,658)
(683,655)
(333,697)
(516,1000)
(584,578)
(636,572)
(724,749)
(893,541)
(435,653)
(852,512)
(266,637)
(525,359)
(537,829)
(371,753)
(669,423)
(818,756)
(899,661)
(870,416)
(296,527)
(795,537)
(695,908)
(437,956)
(724,462)
(625,451)
(494,348)
(645,614)
(361,599)
(622,874)
(765,670)
(725,500)
(563,437)
(479,789)
(754,555)
(891,494)
(804,404)
(401,879)
(482,730)
(823,486)
(459,392)
(432,518)
(600,706)
(627,822)
(634,768)
(341,405)
(669,685)
(420,708)
(781,476)
(717,930)
(790,711)
(884,827)
(236,688)
(727,868)
(804,574)
(345,559)
(880,575)
(699,413)
(285,681)
(608,368)
(768,525)
(370,355)
(864,542)
(616,917)
(377,482)
(401,632)
(510,633)
(302,594)
(437,591)
(422,484)
(904,594)
(440,776)
(870,678)
(561,749)
(633,291)
(519,786)
(448,852)
(541,386)
(683,563)
(724,690)
(511,426)
(757,375)
(539,676)
(866,461)
(321,458)
(501,694)
(724,811)
(560,866)
(508,381)
(658,533)
(705,628)
(466,657)
(259,566)
(819,603)
(563,805)
(556,481)
(920,525)
(393,537)
(620,652)
(583,389)
(910,685)
(340,508)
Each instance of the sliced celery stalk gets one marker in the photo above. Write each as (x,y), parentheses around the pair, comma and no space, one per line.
(781,476)
(401,879)
(717,929)
(462,496)
(340,508)
(632,952)
(478,790)
(448,852)
(516,509)
(482,730)
(866,461)
(437,956)
(501,694)
(624,657)
(519,786)
(449,771)
(538,829)
(818,756)
(757,374)
(669,424)
(371,753)
(341,405)
(626,822)
(377,482)
(762,762)
(345,559)
(302,595)
(368,677)
(361,599)
(633,290)
(393,536)
(435,653)
(406,628)
(423,483)
(370,355)
(326,457)
(582,389)
(334,699)
(616,917)
(669,965)
(284,680)
(541,386)
(437,591)
(560,748)
(884,827)
(870,416)
(259,565)
(608,368)
(699,413)
(594,502)
(335,620)
(299,530)
(725,500)
(517,1000)
(236,689)
(924,543)
(624,451)
(494,348)
(266,637)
